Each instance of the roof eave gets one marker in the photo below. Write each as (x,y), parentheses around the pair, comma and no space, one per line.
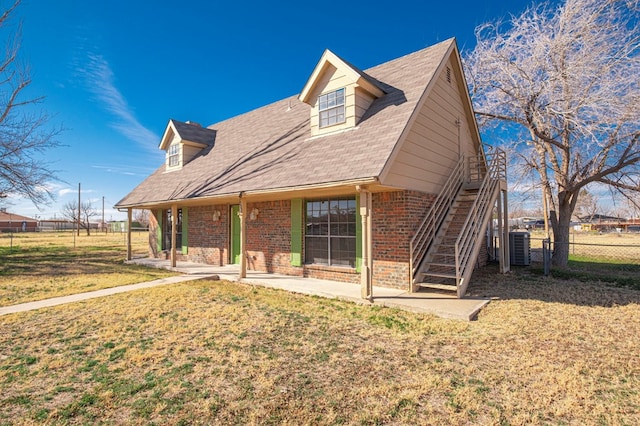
(287,192)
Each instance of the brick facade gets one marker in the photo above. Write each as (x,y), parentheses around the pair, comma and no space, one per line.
(208,239)
(269,238)
(396,215)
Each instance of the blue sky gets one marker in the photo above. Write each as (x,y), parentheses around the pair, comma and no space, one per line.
(114,72)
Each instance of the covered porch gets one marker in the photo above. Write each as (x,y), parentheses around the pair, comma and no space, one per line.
(442,304)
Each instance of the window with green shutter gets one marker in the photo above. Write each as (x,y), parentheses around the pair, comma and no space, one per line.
(185,230)
(296,232)
(330,235)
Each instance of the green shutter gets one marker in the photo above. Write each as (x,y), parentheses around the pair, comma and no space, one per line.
(185,230)
(159,230)
(235,235)
(296,232)
(358,236)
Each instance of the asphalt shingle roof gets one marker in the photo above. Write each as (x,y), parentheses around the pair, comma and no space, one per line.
(194,133)
(271,147)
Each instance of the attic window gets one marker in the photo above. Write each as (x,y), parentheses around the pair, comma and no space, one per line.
(174,155)
(331,108)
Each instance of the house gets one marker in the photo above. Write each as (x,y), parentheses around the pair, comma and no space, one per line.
(11,222)
(375,177)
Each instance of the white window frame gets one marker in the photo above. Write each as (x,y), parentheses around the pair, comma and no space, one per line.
(174,155)
(330,110)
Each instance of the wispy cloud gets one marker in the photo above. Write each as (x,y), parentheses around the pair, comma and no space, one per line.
(66,191)
(99,80)
(126,170)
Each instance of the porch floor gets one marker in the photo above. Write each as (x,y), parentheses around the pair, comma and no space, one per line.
(442,304)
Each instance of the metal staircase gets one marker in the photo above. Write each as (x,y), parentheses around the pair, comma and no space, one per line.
(446,246)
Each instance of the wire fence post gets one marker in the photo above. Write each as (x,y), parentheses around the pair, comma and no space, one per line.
(546,256)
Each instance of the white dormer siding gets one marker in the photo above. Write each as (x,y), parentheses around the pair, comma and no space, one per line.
(182,142)
(331,74)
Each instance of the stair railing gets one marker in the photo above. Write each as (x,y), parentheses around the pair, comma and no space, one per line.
(432,221)
(482,206)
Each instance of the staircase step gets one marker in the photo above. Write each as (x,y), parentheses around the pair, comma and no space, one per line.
(441,264)
(445,254)
(439,286)
(438,275)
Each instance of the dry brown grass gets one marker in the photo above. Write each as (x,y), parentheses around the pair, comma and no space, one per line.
(204,352)
(44,265)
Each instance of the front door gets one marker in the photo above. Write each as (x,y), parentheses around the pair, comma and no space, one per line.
(235,235)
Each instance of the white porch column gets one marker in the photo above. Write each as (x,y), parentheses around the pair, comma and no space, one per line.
(174,221)
(366,287)
(243,237)
(129,213)
(506,263)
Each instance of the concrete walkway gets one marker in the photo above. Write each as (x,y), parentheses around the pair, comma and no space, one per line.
(54,301)
(442,304)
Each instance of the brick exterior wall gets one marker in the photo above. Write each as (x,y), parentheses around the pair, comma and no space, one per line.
(396,216)
(208,239)
(153,234)
(269,238)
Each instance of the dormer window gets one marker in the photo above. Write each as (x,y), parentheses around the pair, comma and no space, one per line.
(339,95)
(174,155)
(331,108)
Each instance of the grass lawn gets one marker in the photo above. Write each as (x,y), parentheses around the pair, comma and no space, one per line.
(37,266)
(545,351)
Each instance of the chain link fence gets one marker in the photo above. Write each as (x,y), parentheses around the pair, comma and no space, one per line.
(608,257)
(614,248)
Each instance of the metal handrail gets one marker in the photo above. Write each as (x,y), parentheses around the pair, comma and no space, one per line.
(472,227)
(430,225)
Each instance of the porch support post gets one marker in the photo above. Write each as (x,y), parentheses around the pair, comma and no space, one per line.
(506,263)
(366,287)
(129,213)
(243,237)
(174,220)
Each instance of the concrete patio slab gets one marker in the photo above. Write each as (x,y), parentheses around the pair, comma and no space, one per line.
(442,304)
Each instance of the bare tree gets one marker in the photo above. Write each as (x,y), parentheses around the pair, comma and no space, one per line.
(24,135)
(142,217)
(564,82)
(587,205)
(70,211)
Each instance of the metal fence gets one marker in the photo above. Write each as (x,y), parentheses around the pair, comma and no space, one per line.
(607,251)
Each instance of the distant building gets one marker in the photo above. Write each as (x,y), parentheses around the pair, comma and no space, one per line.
(121,226)
(601,222)
(11,222)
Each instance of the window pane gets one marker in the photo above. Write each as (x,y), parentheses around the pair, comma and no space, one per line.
(316,250)
(343,251)
(330,232)
(331,108)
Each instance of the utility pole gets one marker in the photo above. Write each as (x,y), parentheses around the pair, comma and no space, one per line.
(104,227)
(78,223)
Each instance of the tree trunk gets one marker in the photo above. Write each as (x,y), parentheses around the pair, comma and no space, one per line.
(561,235)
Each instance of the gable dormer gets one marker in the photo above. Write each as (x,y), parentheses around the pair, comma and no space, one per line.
(339,94)
(183,141)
